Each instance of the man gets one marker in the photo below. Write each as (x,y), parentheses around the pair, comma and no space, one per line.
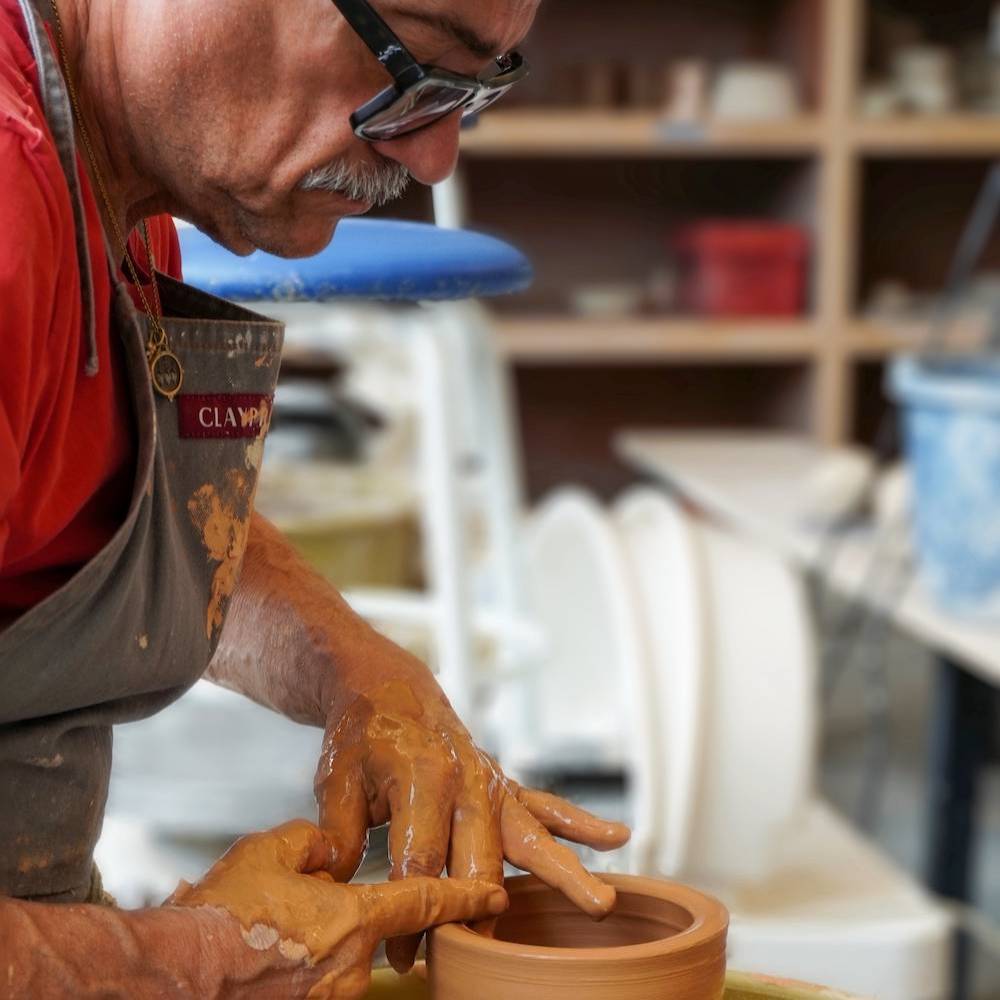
(131,561)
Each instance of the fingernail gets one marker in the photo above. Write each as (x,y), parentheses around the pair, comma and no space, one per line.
(605,898)
(496,902)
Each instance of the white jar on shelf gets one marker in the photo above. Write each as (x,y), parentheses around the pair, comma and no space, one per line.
(925,79)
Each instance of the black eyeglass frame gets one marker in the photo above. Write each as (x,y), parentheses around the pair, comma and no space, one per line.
(411,77)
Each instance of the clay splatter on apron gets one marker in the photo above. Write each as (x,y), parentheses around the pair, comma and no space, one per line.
(224,523)
(223,518)
(255,452)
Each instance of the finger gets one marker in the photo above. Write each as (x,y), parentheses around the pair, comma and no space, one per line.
(528,845)
(476,849)
(563,819)
(420,819)
(343,816)
(401,952)
(414,904)
(418,847)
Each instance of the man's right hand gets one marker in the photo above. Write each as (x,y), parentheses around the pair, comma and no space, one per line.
(299,933)
(267,921)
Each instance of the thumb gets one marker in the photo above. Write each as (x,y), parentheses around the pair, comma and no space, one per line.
(300,846)
(411,905)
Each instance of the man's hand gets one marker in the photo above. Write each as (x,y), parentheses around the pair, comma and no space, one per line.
(400,755)
(320,935)
(394,750)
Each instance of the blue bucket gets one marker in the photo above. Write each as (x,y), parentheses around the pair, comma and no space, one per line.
(951,416)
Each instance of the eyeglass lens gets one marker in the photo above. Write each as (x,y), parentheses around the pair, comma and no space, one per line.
(485,98)
(415,110)
(424,105)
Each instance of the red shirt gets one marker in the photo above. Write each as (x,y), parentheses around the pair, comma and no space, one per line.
(67,449)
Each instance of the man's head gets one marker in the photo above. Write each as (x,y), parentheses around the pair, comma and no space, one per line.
(239,110)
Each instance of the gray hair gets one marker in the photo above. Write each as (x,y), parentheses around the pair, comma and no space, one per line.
(377,183)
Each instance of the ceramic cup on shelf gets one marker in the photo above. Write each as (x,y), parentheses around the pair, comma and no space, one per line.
(925,78)
(755,91)
(662,940)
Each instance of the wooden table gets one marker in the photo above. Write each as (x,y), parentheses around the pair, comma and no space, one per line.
(755,484)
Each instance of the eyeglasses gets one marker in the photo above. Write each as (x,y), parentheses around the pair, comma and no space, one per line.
(420,95)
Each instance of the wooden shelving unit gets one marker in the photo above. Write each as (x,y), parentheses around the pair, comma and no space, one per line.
(947,136)
(875,339)
(557,340)
(566,134)
(590,194)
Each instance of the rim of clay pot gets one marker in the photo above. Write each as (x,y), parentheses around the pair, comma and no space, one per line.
(708,916)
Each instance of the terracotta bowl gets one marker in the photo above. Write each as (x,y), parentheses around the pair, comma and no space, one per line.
(663,940)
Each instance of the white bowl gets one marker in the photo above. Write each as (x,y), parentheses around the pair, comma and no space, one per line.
(755,91)
(663,558)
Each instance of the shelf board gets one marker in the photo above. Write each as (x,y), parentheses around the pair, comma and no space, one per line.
(565,133)
(948,135)
(874,338)
(577,340)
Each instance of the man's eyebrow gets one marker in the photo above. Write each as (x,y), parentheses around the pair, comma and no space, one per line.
(462,33)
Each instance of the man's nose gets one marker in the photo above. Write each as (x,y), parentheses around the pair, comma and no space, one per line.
(430,154)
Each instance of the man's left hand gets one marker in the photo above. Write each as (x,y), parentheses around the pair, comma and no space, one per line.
(399,754)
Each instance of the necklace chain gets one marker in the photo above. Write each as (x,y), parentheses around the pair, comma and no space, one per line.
(165,368)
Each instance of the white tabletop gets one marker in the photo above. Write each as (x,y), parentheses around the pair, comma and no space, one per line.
(755,483)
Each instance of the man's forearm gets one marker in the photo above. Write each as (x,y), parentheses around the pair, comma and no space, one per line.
(93,951)
(292,643)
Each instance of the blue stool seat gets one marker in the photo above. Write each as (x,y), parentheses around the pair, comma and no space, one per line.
(378,259)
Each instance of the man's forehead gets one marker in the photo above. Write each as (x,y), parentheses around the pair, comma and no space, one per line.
(485,27)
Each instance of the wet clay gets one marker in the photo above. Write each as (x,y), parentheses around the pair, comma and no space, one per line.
(663,940)
(277,885)
(223,518)
(394,749)
(408,760)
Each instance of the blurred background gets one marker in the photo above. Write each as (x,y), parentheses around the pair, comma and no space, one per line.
(703,528)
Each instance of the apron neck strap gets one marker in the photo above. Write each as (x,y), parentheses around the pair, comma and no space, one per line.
(59,115)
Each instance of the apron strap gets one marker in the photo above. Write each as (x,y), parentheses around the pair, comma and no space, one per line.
(59,114)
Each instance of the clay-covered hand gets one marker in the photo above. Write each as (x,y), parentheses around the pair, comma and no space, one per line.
(400,755)
(304,935)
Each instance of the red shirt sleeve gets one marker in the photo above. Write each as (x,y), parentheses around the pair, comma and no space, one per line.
(67,444)
(29,235)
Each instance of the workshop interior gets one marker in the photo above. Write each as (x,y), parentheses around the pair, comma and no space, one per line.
(667,431)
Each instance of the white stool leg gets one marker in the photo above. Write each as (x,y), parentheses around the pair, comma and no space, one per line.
(450,202)
(500,457)
(442,516)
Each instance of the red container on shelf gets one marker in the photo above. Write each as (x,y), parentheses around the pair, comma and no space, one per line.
(741,268)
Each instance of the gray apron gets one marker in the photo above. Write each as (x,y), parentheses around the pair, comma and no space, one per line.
(136,626)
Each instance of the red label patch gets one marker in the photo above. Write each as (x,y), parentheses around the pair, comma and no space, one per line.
(224,415)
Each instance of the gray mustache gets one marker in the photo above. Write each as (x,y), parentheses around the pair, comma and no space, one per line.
(377,183)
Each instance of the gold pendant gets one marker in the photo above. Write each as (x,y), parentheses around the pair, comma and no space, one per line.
(167,373)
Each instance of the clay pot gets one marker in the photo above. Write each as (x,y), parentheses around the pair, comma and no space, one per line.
(663,940)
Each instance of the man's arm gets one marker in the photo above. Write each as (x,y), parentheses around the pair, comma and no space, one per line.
(293,644)
(267,920)
(95,951)
(394,749)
